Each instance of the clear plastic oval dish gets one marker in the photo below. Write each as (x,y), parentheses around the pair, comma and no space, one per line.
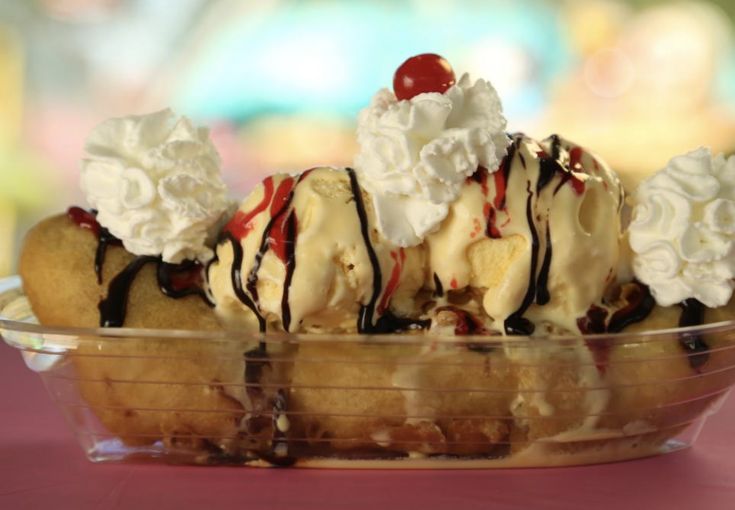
(398,401)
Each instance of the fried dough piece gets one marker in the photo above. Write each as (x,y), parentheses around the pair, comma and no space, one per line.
(650,390)
(401,398)
(142,390)
(57,267)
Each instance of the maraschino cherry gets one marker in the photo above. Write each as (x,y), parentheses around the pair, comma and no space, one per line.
(427,72)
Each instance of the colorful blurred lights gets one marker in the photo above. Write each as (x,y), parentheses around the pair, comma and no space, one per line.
(609,73)
(312,65)
(505,63)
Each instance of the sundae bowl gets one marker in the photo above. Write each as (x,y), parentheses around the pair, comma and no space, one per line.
(460,298)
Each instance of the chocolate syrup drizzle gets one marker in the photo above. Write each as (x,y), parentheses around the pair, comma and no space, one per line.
(692,314)
(113,308)
(537,290)
(638,305)
(438,287)
(543,295)
(256,361)
(290,250)
(549,166)
(515,323)
(388,322)
(236,279)
(365,319)
(104,239)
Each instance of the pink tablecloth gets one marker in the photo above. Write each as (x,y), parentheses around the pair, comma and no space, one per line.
(42,467)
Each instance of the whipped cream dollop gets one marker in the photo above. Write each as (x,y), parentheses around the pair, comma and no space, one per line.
(683,230)
(156,184)
(415,154)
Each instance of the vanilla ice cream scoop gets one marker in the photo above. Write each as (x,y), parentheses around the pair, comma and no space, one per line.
(302,254)
(156,185)
(540,237)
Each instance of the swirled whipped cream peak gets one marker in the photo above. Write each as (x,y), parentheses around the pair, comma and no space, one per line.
(155,182)
(415,153)
(683,230)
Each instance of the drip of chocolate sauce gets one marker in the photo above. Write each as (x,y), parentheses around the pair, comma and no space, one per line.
(438,287)
(639,305)
(290,255)
(174,280)
(236,280)
(256,360)
(280,236)
(692,314)
(105,239)
(555,146)
(387,322)
(365,318)
(391,323)
(515,323)
(538,290)
(542,282)
(88,220)
(113,308)
(594,322)
(277,211)
(549,165)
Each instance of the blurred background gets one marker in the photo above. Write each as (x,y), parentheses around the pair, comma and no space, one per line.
(280,81)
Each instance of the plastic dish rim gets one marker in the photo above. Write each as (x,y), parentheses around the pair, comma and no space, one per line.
(13,283)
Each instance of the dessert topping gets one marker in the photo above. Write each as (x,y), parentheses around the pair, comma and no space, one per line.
(427,72)
(415,154)
(683,230)
(155,181)
(84,219)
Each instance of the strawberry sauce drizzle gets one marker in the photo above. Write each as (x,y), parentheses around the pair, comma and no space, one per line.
(84,219)
(575,165)
(399,258)
(500,178)
(277,235)
(241,223)
(274,234)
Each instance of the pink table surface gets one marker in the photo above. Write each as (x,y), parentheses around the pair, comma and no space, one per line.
(41,466)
